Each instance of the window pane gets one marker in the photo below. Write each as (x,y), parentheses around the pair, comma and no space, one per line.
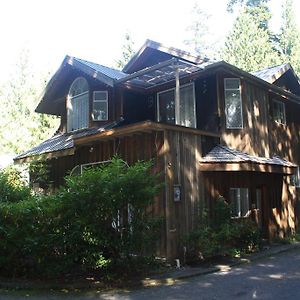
(244,202)
(100,95)
(279,112)
(100,111)
(167,107)
(235,203)
(232,83)
(187,106)
(233,109)
(239,199)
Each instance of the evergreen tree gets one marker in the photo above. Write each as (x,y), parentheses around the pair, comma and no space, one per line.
(249,3)
(127,51)
(249,45)
(199,37)
(289,37)
(20,127)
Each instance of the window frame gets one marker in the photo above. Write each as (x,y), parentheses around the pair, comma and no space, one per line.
(241,101)
(177,122)
(239,215)
(69,104)
(100,101)
(280,103)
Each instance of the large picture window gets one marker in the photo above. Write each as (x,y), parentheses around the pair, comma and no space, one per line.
(100,106)
(239,199)
(233,103)
(279,112)
(166,106)
(78,105)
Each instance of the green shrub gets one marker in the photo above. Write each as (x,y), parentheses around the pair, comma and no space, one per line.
(222,235)
(12,186)
(98,221)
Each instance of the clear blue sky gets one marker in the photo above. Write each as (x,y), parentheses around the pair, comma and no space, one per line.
(95,29)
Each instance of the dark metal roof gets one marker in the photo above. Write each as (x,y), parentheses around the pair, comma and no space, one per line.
(63,141)
(110,72)
(159,47)
(271,74)
(223,154)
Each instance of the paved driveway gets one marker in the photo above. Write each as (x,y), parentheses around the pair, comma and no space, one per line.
(276,277)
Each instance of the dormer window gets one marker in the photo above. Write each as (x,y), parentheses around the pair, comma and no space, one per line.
(100,106)
(78,105)
(233,103)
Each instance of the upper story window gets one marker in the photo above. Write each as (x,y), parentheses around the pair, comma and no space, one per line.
(187,110)
(233,103)
(100,106)
(279,112)
(78,105)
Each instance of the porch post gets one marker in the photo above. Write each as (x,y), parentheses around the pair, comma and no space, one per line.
(177,97)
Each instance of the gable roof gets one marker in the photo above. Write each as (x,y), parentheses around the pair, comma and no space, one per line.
(152,48)
(271,74)
(109,72)
(105,75)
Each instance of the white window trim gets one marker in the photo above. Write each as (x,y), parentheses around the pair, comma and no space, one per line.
(103,101)
(284,115)
(240,90)
(173,89)
(239,216)
(69,98)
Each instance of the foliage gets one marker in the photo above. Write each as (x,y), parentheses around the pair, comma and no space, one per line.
(127,51)
(249,44)
(289,37)
(20,127)
(222,235)
(12,186)
(84,226)
(248,3)
(39,171)
(199,37)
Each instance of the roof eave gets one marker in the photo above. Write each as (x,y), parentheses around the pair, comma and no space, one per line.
(273,88)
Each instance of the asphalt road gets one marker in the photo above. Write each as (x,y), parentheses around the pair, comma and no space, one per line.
(276,277)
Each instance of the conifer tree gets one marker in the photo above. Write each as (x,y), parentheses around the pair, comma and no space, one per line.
(20,127)
(289,37)
(248,46)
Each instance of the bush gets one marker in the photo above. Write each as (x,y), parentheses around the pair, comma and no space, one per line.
(12,186)
(98,221)
(222,235)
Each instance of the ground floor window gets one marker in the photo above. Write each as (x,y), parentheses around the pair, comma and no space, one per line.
(239,198)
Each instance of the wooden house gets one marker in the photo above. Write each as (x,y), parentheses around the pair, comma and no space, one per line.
(213,130)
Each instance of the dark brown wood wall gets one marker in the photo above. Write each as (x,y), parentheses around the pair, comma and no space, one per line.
(278,196)
(253,138)
(182,152)
(131,148)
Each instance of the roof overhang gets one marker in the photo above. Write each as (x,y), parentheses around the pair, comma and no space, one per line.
(142,54)
(247,167)
(223,158)
(49,103)
(243,74)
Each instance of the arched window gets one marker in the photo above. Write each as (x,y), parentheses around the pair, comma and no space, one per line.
(78,105)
